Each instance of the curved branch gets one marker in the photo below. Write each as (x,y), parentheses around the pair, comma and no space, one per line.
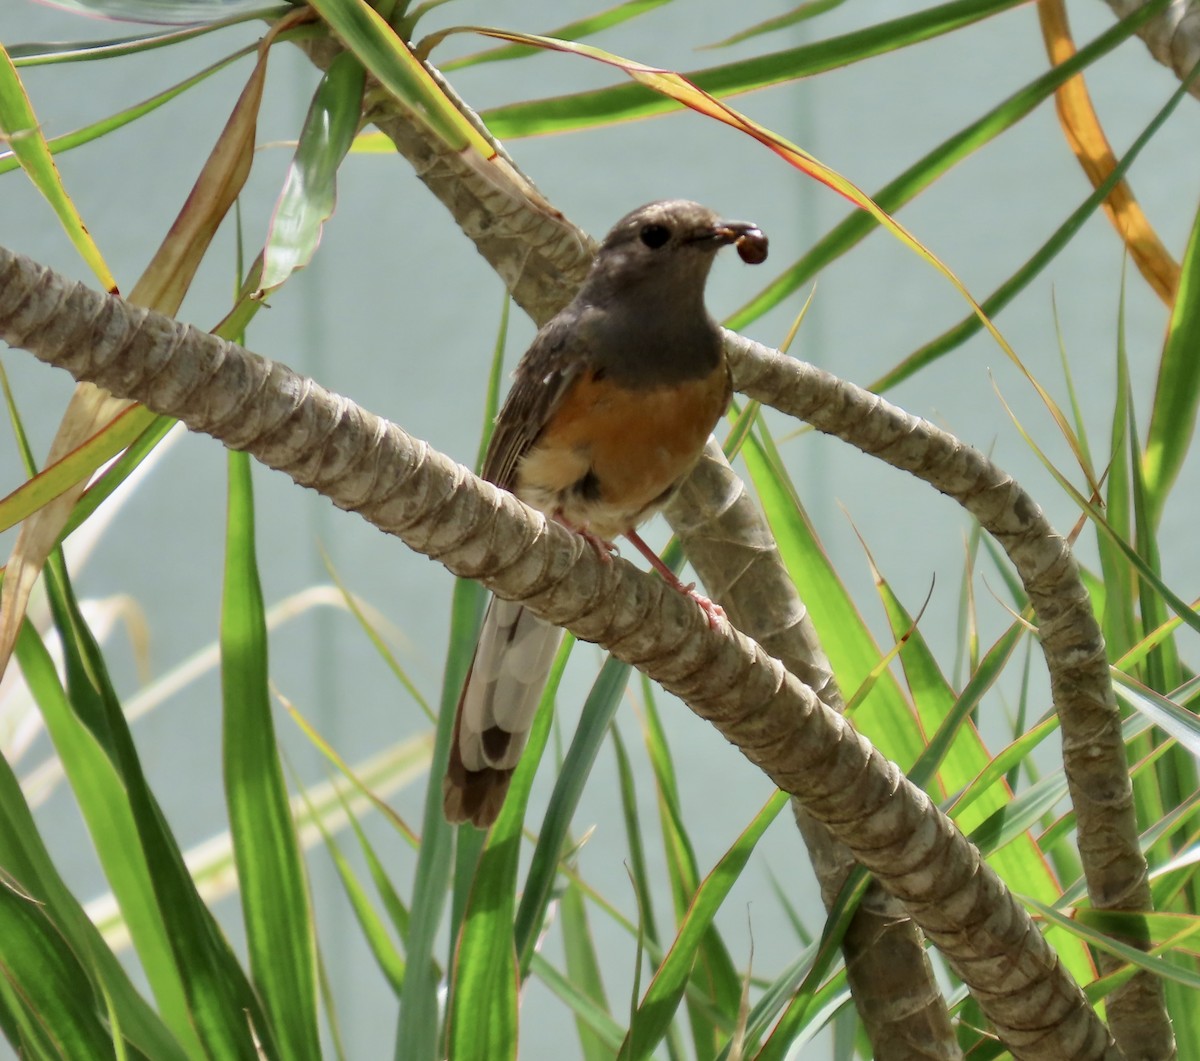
(728,542)
(1094,758)
(496,223)
(403,486)
(542,259)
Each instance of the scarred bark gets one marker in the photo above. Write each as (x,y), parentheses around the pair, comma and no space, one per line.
(404,487)
(1094,758)
(542,259)
(728,542)
(1172,37)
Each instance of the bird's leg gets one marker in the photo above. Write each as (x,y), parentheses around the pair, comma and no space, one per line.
(604,548)
(713,611)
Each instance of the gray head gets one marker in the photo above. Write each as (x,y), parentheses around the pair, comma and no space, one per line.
(662,253)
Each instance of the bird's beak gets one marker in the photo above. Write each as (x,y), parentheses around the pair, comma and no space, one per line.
(732,231)
(751,241)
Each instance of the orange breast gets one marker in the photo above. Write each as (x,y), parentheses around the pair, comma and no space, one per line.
(611,455)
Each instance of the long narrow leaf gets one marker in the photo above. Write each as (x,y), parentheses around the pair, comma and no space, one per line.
(93,131)
(666,989)
(20,127)
(571,31)
(716,982)
(483,1021)
(1010,288)
(88,51)
(76,466)
(102,799)
(417,1035)
(28,867)
(885,715)
(1177,395)
(222,1008)
(583,968)
(54,989)
(184,12)
(275,907)
(387,955)
(627,102)
(606,1029)
(389,58)
(931,166)
(310,189)
(598,711)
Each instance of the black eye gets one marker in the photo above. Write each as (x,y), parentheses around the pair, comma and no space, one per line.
(655,236)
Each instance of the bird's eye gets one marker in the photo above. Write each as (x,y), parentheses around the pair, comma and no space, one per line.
(655,236)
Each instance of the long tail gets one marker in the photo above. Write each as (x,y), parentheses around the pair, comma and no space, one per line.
(495,711)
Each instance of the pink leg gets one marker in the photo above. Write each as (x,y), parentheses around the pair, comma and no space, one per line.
(604,548)
(714,612)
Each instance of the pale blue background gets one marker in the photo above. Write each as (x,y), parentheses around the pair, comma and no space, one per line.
(399,313)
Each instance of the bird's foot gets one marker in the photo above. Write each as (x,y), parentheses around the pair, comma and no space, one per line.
(712,611)
(604,548)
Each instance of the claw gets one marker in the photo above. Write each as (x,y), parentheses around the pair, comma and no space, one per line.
(712,611)
(604,548)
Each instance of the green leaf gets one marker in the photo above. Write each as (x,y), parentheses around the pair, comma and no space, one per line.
(88,51)
(1161,664)
(956,756)
(605,1028)
(78,465)
(417,1033)
(628,102)
(417,1037)
(583,969)
(921,174)
(483,1000)
(958,334)
(221,1006)
(805,11)
(104,803)
(714,979)
(28,867)
(55,992)
(571,31)
(392,62)
(884,715)
(662,997)
(19,126)
(1177,395)
(1118,618)
(384,950)
(275,907)
(1135,957)
(310,188)
(1164,712)
(87,133)
(598,711)
(173,11)
(634,831)
(483,1021)
(649,937)
(808,1009)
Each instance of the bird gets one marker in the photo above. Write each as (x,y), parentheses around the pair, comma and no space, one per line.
(608,412)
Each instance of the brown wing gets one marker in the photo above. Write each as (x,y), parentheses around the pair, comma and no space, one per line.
(552,363)
(515,650)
